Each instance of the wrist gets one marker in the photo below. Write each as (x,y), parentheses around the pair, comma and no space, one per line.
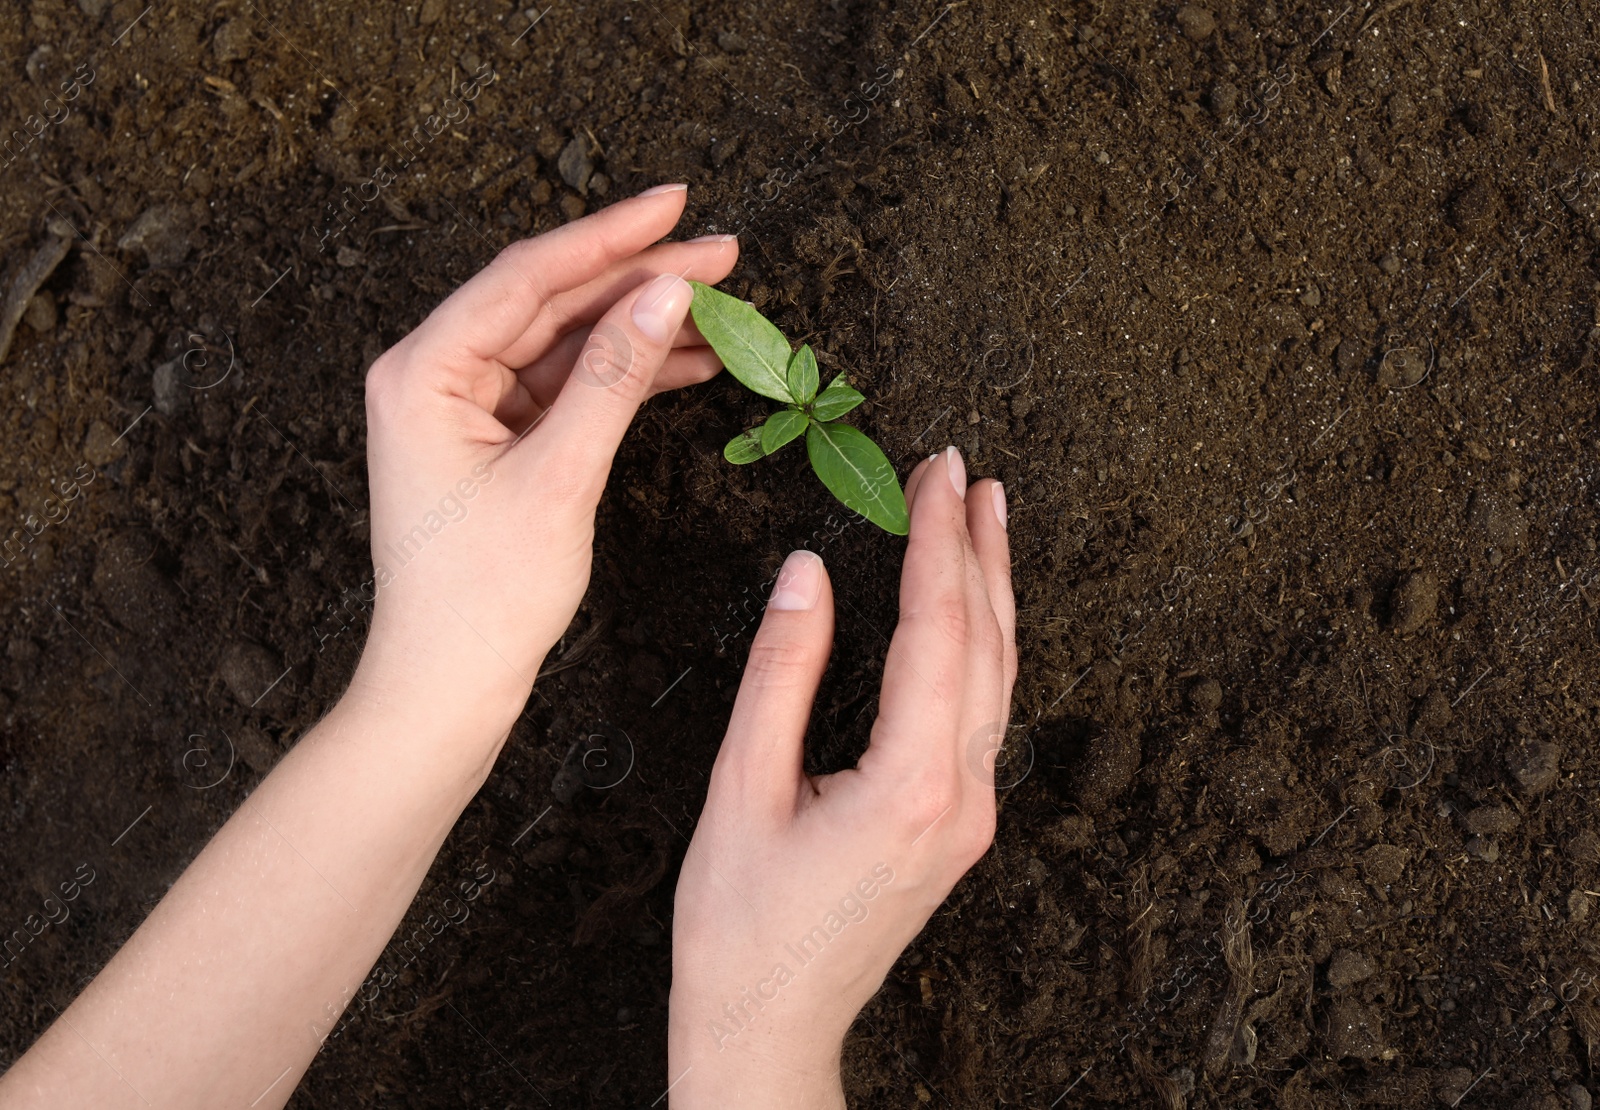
(714,1062)
(755,1085)
(432,688)
(452,717)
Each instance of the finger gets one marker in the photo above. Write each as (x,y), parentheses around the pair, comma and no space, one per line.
(685,366)
(916,478)
(986,525)
(762,758)
(612,377)
(925,674)
(545,376)
(488,313)
(574,312)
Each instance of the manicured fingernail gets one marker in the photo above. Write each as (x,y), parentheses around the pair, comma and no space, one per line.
(1000,503)
(714,239)
(660,309)
(956,469)
(657,190)
(799,582)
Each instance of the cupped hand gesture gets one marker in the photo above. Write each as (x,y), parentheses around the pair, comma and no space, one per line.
(491,431)
(799,892)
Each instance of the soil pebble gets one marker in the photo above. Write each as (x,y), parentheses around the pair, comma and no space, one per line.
(169,387)
(40,315)
(1535,765)
(1402,368)
(1241,858)
(160,234)
(576,165)
(1433,713)
(1585,847)
(1250,781)
(1072,833)
(1498,518)
(1108,769)
(1182,1081)
(1353,1030)
(1224,99)
(1350,356)
(1205,695)
(94,9)
(1578,1097)
(1402,111)
(1348,968)
(1196,22)
(1414,602)
(255,747)
(100,444)
(232,41)
(1578,906)
(1383,864)
(137,595)
(248,670)
(1483,847)
(1490,821)
(1451,1084)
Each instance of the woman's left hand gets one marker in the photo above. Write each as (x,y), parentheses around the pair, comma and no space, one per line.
(491,430)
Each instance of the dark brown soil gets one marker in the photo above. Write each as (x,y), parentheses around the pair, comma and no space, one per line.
(1280,324)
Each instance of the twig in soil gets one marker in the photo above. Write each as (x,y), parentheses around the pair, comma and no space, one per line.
(1388,9)
(1544,79)
(27,283)
(1240,958)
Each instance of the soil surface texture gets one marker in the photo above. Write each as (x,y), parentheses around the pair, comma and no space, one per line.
(1279,320)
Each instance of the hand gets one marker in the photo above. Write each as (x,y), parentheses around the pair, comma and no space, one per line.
(799,893)
(491,430)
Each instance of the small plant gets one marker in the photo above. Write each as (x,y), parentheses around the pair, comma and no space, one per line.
(756,352)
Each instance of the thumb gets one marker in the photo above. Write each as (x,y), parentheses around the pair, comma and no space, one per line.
(613,375)
(762,755)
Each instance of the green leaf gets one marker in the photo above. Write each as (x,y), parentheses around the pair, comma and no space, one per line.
(802,375)
(858,474)
(750,345)
(744,447)
(839,398)
(781,427)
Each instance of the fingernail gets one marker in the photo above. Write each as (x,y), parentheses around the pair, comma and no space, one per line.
(799,582)
(956,469)
(660,308)
(657,190)
(714,239)
(1000,503)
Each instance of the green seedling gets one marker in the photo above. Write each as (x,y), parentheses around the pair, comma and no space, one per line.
(756,352)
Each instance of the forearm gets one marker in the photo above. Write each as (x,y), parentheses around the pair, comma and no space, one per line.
(227,989)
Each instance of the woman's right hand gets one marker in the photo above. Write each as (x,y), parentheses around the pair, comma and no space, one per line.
(799,892)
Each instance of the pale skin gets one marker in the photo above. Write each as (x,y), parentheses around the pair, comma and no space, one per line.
(519,388)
